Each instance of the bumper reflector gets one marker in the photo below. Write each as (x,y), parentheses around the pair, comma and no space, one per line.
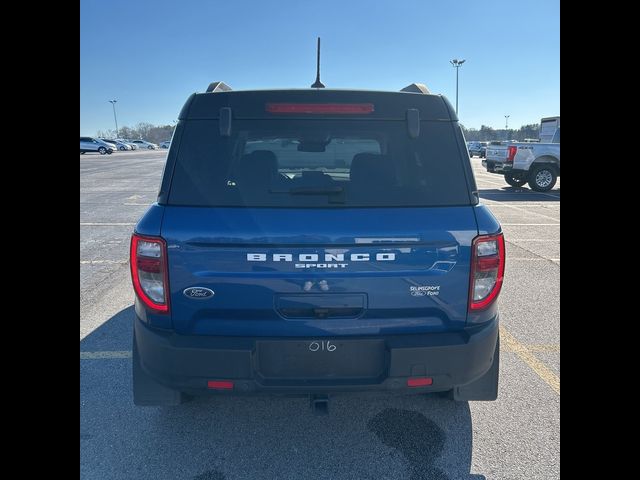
(220,385)
(419,381)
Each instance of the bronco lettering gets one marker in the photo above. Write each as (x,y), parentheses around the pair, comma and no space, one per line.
(314,257)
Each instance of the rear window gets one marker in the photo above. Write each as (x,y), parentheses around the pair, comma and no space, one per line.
(318,163)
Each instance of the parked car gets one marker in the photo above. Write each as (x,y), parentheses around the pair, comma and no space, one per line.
(122,146)
(112,144)
(128,142)
(483,149)
(145,144)
(90,144)
(478,149)
(312,242)
(474,148)
(165,144)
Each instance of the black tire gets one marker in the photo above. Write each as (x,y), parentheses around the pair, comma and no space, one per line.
(122,148)
(515,181)
(150,147)
(146,391)
(102,150)
(543,177)
(109,151)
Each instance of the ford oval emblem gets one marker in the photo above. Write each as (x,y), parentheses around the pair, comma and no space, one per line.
(198,292)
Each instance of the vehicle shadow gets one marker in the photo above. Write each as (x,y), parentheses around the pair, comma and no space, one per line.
(518,194)
(364,436)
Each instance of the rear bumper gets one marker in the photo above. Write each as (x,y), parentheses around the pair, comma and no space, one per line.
(187,363)
(496,167)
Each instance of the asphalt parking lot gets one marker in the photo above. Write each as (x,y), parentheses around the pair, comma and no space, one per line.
(364,437)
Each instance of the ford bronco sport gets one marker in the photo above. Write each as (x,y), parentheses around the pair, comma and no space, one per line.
(312,242)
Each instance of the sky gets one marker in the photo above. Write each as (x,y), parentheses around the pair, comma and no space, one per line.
(150,55)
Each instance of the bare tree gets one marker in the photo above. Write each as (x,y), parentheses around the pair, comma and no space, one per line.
(106,134)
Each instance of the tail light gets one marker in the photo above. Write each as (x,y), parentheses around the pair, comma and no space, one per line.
(511,153)
(487,270)
(149,272)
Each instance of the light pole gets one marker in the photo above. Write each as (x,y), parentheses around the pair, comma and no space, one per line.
(506,126)
(113,104)
(456,63)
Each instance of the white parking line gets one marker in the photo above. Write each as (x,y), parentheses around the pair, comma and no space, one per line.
(533,259)
(106,224)
(103,262)
(520,209)
(530,224)
(499,184)
(525,204)
(523,192)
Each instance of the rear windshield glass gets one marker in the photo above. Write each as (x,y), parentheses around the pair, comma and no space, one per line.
(318,163)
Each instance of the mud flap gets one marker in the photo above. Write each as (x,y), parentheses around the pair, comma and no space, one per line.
(486,387)
(146,391)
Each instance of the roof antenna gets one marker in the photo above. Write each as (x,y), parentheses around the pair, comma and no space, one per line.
(318,83)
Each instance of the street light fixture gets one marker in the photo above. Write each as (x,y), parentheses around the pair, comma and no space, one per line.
(456,64)
(113,104)
(506,122)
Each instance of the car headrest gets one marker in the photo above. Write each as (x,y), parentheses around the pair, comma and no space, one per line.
(261,163)
(256,170)
(372,169)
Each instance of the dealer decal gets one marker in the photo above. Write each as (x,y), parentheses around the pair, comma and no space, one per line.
(425,290)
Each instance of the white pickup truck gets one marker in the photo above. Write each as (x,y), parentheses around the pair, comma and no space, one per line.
(522,162)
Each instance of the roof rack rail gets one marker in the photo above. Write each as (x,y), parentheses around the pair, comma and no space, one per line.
(215,87)
(416,88)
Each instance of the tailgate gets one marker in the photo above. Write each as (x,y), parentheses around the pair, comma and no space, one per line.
(319,272)
(497,153)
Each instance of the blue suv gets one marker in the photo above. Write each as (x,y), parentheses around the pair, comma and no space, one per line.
(313,242)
